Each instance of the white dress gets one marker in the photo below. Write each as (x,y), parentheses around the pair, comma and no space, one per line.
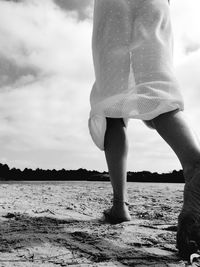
(132,47)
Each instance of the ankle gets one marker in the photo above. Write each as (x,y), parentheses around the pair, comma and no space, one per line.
(120,205)
(117,199)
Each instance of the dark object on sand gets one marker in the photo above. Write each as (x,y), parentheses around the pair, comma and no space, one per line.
(195,259)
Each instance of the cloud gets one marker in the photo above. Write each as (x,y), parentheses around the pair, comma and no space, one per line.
(185,18)
(12,73)
(46,77)
(83,7)
(46,40)
(192,47)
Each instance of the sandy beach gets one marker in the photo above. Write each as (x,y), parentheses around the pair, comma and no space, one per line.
(60,224)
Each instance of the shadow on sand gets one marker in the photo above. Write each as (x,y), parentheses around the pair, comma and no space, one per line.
(49,239)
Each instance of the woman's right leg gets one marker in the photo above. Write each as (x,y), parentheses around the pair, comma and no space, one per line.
(176,131)
(116,150)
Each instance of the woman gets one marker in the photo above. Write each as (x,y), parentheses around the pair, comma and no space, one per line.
(132,51)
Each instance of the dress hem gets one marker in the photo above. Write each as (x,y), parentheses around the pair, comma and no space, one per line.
(97,123)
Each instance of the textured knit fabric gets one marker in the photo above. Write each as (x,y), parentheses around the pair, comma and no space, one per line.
(132,53)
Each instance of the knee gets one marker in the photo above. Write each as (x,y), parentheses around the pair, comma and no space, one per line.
(114,123)
(165,116)
(149,123)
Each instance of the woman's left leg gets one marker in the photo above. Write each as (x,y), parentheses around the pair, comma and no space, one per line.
(176,131)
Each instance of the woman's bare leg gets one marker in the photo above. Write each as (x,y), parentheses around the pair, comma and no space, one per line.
(175,130)
(116,150)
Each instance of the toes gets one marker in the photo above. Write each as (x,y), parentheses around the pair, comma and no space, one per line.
(107,213)
(188,234)
(109,217)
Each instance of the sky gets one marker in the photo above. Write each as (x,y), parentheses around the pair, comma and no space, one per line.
(46,75)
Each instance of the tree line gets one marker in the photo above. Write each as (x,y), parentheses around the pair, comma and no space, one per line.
(14,174)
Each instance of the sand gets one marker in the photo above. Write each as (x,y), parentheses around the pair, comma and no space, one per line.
(60,224)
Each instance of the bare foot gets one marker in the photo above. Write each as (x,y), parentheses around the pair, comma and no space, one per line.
(188,234)
(117,214)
